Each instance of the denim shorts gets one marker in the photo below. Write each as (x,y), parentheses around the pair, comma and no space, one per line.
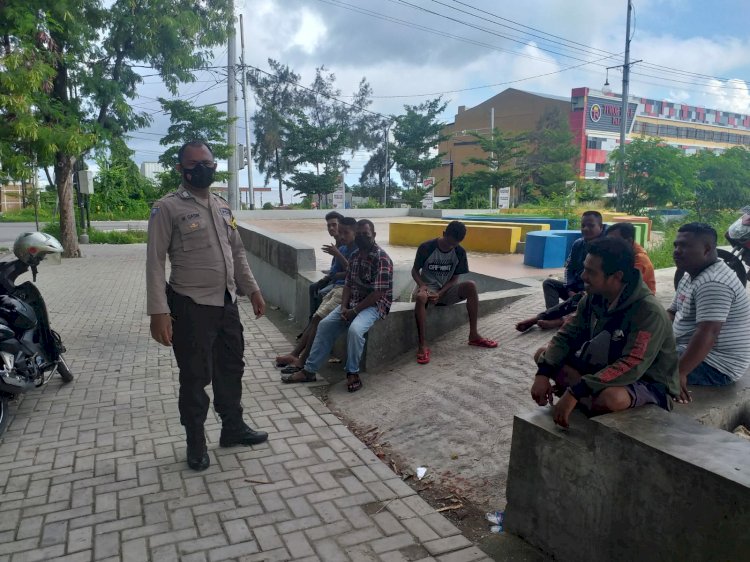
(643,392)
(706,375)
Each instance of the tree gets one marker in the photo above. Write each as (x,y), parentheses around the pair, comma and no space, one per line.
(188,123)
(502,152)
(322,148)
(655,174)
(373,177)
(119,186)
(720,181)
(416,136)
(276,96)
(321,131)
(551,157)
(94,52)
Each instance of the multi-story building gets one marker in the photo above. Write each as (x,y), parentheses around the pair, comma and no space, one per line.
(595,123)
(594,119)
(513,111)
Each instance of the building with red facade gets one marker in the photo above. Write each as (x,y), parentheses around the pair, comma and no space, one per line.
(594,119)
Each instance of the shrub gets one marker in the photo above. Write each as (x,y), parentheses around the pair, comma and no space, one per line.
(268,206)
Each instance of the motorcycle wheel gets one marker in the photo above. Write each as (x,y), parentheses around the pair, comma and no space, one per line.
(4,413)
(730,259)
(62,368)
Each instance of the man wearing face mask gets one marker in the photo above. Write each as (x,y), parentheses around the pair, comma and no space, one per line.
(367,296)
(197,314)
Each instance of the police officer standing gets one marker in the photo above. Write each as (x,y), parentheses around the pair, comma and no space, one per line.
(197,314)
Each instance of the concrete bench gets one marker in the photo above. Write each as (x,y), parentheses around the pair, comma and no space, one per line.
(491,238)
(641,484)
(550,248)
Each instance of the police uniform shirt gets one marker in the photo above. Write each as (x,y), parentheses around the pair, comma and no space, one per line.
(205,251)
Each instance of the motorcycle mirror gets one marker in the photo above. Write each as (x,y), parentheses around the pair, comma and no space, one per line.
(54,259)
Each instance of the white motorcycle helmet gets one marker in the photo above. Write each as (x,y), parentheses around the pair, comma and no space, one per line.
(32,247)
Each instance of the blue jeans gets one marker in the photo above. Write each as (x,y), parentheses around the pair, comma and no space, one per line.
(706,375)
(329,330)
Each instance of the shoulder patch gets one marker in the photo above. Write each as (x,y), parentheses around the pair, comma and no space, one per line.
(154,210)
(226,211)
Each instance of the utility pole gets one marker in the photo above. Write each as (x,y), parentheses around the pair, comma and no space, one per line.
(620,189)
(492,133)
(232,186)
(248,146)
(387,187)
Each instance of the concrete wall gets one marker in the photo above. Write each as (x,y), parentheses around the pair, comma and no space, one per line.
(277,262)
(639,485)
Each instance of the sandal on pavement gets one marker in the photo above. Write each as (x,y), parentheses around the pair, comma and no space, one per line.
(424,357)
(353,383)
(298,376)
(483,342)
(290,369)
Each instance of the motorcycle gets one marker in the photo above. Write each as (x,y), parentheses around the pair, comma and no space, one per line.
(738,236)
(30,351)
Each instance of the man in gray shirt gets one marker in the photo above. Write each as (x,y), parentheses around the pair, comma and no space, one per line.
(438,265)
(710,313)
(197,314)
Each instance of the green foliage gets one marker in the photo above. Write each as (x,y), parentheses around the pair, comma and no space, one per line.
(268,206)
(656,174)
(502,154)
(417,134)
(370,204)
(74,70)
(590,190)
(469,192)
(719,181)
(120,190)
(104,237)
(26,215)
(551,157)
(661,254)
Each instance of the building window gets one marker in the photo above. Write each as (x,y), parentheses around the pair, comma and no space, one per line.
(600,167)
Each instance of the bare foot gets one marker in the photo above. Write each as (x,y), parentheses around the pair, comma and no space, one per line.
(550,324)
(284,360)
(527,324)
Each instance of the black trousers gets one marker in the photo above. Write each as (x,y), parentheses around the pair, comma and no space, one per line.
(554,292)
(561,310)
(209,348)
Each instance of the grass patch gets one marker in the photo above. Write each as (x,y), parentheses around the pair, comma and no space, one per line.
(25,215)
(661,255)
(105,237)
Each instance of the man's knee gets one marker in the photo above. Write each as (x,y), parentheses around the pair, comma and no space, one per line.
(421,298)
(467,289)
(612,400)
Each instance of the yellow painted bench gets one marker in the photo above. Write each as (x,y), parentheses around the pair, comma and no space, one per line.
(494,238)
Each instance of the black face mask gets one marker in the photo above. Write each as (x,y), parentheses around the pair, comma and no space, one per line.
(363,243)
(200,176)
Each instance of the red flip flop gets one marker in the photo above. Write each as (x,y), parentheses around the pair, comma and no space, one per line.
(483,342)
(424,358)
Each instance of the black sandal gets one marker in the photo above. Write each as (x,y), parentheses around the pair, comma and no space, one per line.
(290,369)
(353,385)
(307,377)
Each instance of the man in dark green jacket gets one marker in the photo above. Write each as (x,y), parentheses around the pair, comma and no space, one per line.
(619,351)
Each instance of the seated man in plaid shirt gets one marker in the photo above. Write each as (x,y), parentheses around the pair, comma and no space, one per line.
(368,293)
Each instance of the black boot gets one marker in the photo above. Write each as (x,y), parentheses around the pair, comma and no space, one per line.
(239,433)
(197,454)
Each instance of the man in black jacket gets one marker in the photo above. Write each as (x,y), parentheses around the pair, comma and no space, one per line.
(571,290)
(554,290)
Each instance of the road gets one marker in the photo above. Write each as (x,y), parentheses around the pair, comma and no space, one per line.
(10,230)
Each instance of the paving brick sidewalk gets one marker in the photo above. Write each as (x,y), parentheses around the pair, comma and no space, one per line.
(95,470)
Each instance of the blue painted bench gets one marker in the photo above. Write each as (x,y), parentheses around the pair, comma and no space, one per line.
(549,248)
(554,224)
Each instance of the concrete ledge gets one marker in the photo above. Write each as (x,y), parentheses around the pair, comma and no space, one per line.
(722,407)
(277,262)
(637,485)
(397,334)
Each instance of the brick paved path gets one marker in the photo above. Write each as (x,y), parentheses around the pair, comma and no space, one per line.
(95,470)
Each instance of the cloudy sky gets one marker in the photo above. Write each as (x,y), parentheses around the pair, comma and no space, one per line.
(469,50)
